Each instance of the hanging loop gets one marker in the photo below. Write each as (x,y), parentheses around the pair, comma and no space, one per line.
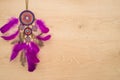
(26,2)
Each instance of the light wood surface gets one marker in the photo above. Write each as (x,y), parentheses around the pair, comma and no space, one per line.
(85,42)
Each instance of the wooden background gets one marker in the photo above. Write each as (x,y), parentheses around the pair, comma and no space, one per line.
(85,42)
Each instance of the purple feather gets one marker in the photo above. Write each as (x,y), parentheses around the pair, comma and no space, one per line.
(9,25)
(42,26)
(31,54)
(17,48)
(11,36)
(44,38)
(34,47)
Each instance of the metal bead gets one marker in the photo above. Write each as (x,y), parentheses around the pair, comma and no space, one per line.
(27,39)
(34,28)
(21,27)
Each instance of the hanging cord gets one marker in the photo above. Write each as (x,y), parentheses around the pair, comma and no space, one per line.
(26,2)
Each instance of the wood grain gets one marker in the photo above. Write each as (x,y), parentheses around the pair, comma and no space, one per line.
(85,42)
